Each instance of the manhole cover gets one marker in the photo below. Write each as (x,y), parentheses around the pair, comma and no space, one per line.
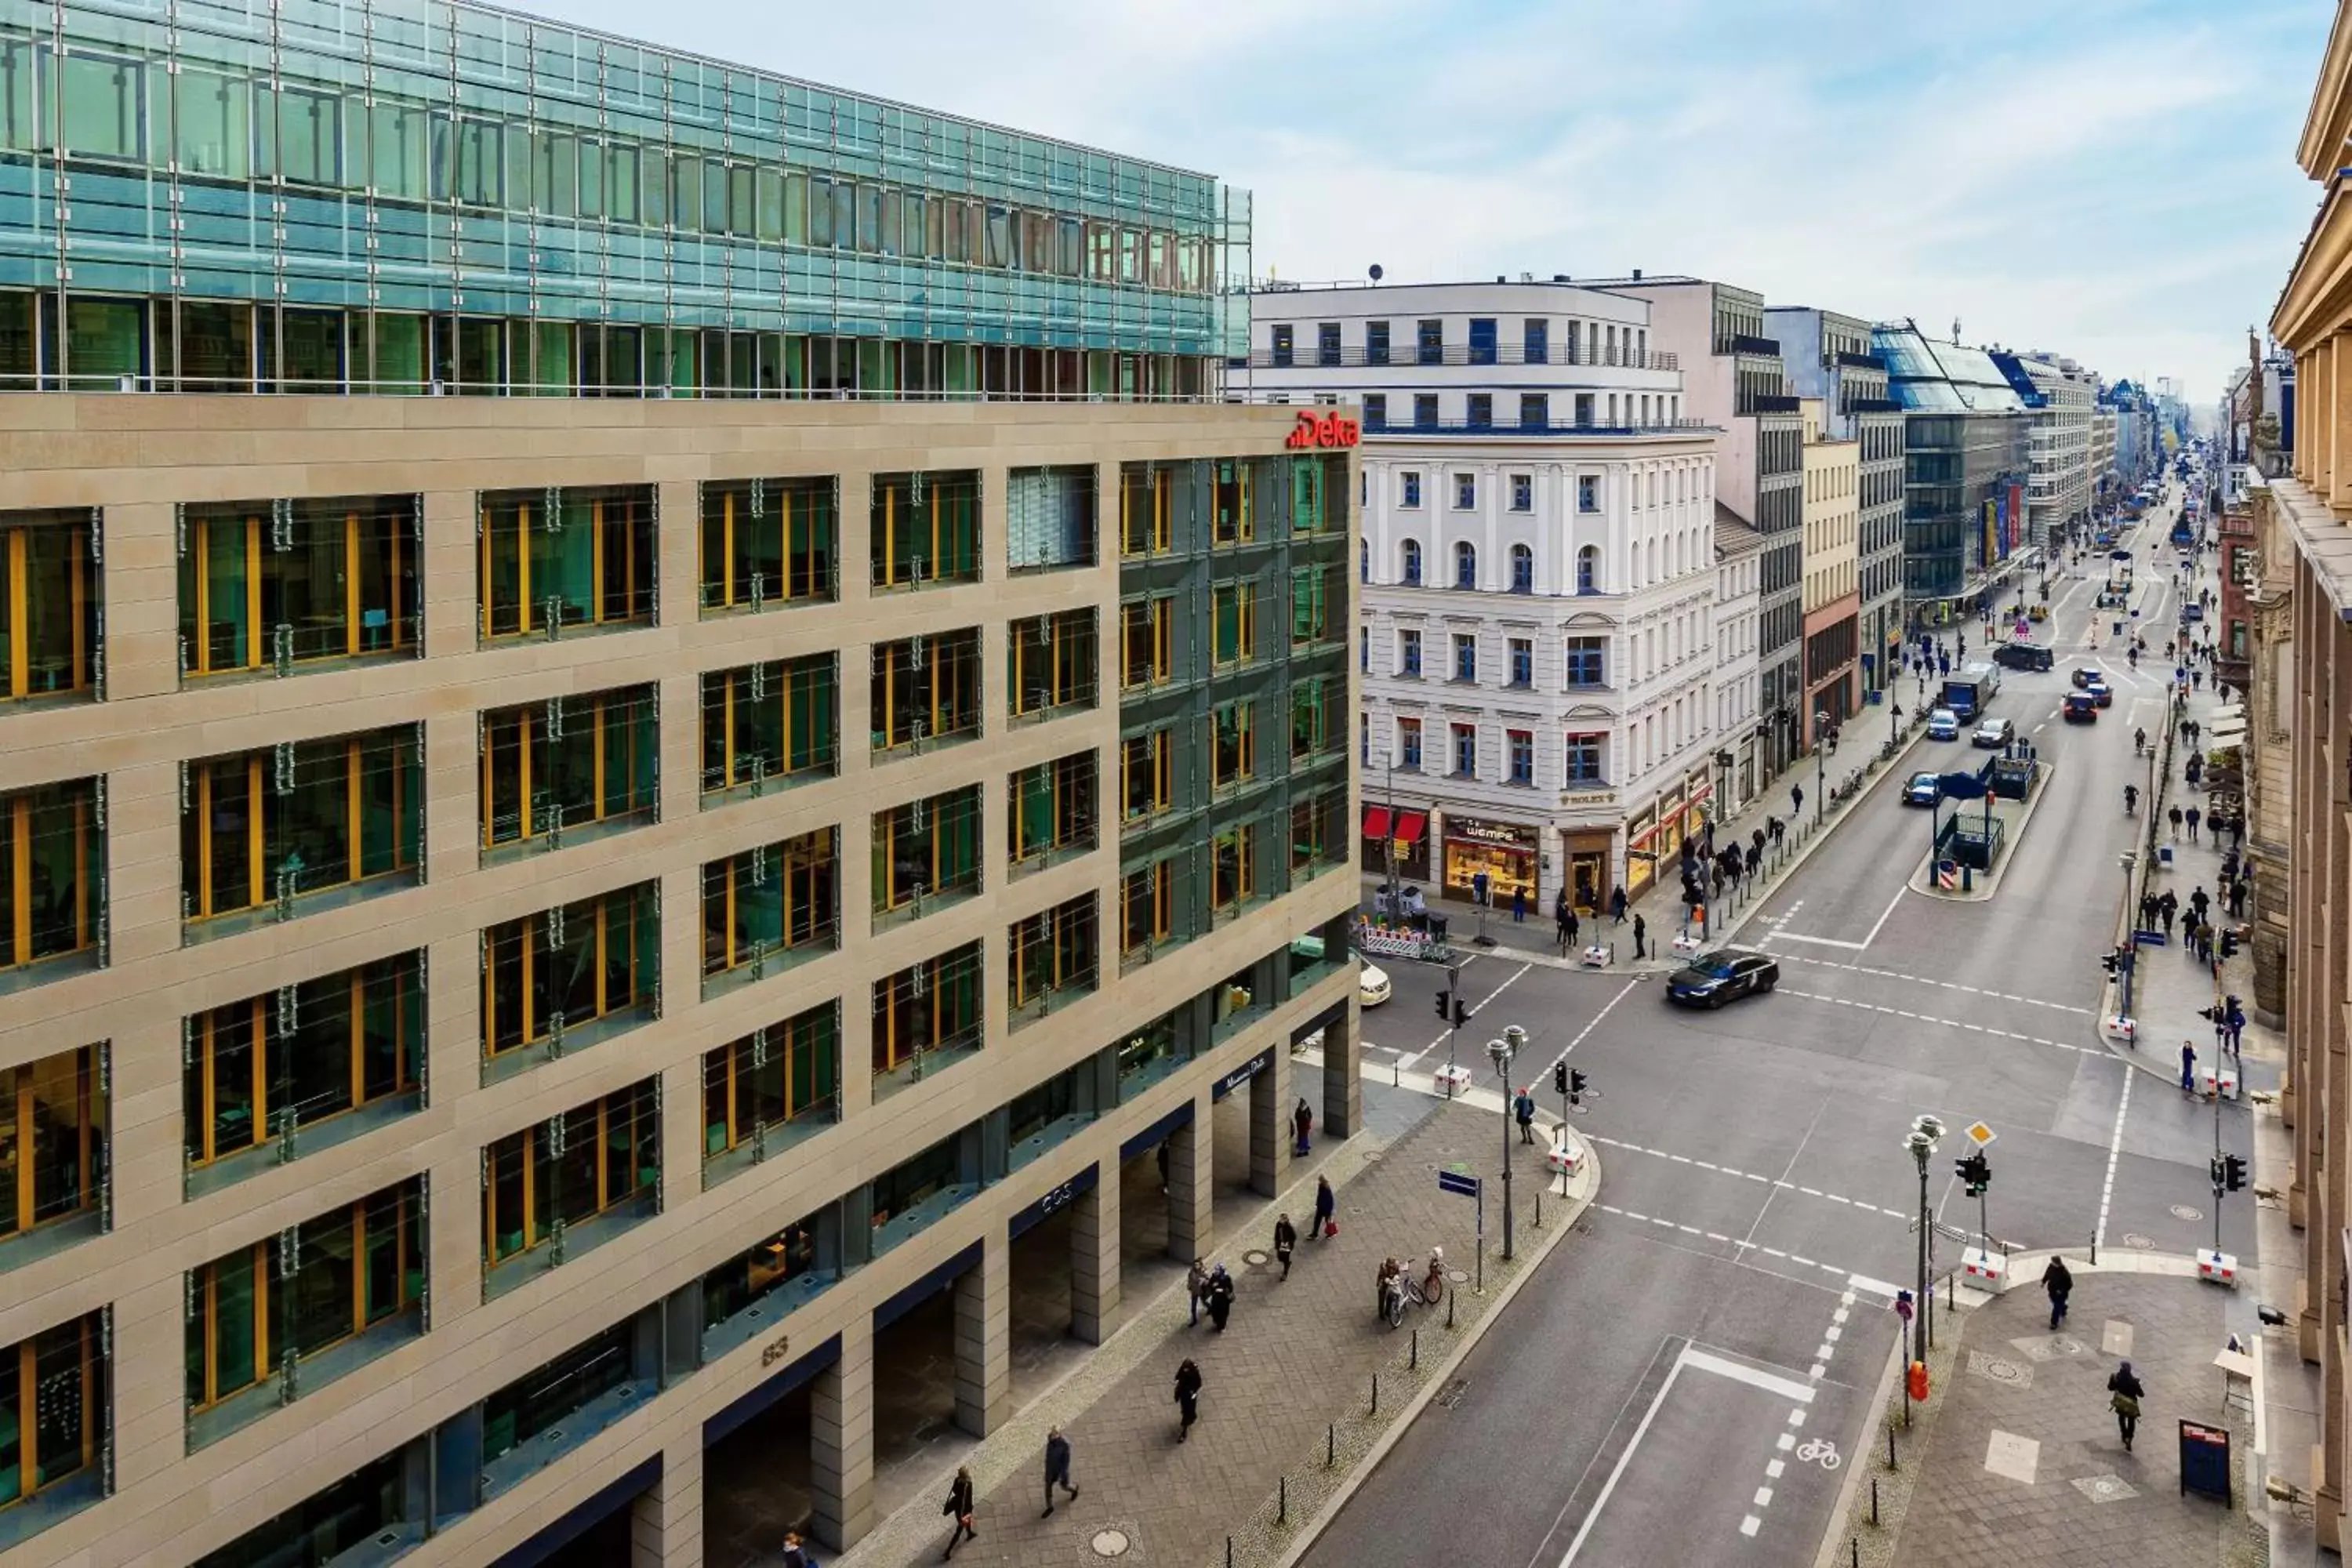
(2132,1239)
(1459,1275)
(2106,1489)
(2000,1371)
(1111,1543)
(2047,1347)
(1257,1258)
(2182,1211)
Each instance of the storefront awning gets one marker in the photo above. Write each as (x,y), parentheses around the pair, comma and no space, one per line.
(1376,822)
(1410,825)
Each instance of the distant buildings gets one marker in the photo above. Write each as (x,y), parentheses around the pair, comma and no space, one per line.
(1832,596)
(1966,439)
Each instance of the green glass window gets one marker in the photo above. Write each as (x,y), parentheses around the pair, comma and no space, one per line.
(591,179)
(770,1076)
(927,850)
(104,104)
(567,764)
(769,721)
(596,958)
(18,129)
(299,136)
(686,193)
(845,215)
(568,1169)
(621,177)
(397,148)
(53,1407)
(772,899)
(796,207)
(52,1139)
(653,186)
(209,133)
(555,174)
(819,206)
(52,859)
(767,541)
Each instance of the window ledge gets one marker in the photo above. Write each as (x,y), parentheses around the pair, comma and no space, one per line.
(211,928)
(905,1226)
(777,1304)
(1039,568)
(768,783)
(190,680)
(20,1522)
(767,1141)
(524,1460)
(512,1273)
(925,585)
(772,962)
(517,1059)
(281,1150)
(514,850)
(1055,710)
(1052,855)
(922,904)
(311,1372)
(1022,1014)
(1056,1131)
(49,1239)
(924,1066)
(885,750)
(578,629)
(831,595)
(41,971)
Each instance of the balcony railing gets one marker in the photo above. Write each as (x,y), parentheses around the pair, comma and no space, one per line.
(1315,357)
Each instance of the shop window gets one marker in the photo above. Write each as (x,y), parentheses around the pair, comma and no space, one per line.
(1235,521)
(1051,663)
(1144,527)
(1053,809)
(49,616)
(1148,642)
(55,1393)
(927,1015)
(1234,874)
(926,691)
(771,904)
(926,528)
(299,1308)
(1049,518)
(53,1148)
(304,1067)
(598,1162)
(569,765)
(909,1197)
(1054,958)
(927,853)
(561,559)
(283,828)
(1233,611)
(1318,832)
(768,543)
(785,1269)
(280,584)
(775,1083)
(52,873)
(780,720)
(1147,773)
(1148,905)
(1232,743)
(1311,730)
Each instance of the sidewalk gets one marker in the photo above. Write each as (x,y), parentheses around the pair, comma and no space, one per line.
(1295,1365)
(2023,1464)
(1536,939)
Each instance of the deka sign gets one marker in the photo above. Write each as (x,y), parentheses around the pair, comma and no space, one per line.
(1322,430)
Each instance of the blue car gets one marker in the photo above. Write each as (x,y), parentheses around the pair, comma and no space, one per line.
(1943,724)
(1923,790)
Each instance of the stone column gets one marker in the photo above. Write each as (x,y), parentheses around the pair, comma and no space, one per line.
(1343,1081)
(1094,1283)
(1191,1161)
(666,1518)
(1269,1124)
(841,1440)
(983,1338)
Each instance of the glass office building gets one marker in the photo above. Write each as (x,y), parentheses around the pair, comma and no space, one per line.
(573,913)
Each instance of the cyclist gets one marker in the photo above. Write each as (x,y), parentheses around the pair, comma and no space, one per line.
(2139,741)
(2131,656)
(2131,798)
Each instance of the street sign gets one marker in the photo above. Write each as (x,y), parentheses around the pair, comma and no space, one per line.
(1456,1181)
(1980,1135)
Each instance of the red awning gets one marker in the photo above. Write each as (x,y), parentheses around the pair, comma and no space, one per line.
(1410,826)
(1376,822)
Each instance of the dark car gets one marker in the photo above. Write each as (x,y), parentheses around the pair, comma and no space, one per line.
(1993,734)
(1924,788)
(2086,676)
(2081,709)
(2023,656)
(2100,693)
(1724,975)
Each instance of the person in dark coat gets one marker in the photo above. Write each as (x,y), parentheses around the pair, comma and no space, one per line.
(1326,1206)
(2174,816)
(960,1504)
(795,1554)
(1220,1298)
(1285,1242)
(1641,938)
(1563,920)
(1523,1112)
(2188,1068)
(2059,1281)
(1617,905)
(1518,906)
(2195,816)
(1302,1122)
(1568,927)
(1057,1468)
(2125,1392)
(1188,1399)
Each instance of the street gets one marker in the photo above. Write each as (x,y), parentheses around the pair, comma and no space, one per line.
(1732,1287)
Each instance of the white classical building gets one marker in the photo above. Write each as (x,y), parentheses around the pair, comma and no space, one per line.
(2059,490)
(1538,624)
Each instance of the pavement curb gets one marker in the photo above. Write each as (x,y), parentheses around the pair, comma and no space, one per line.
(1850,1493)
(1310,1532)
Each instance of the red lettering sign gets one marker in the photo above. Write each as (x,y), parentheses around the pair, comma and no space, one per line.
(1323,430)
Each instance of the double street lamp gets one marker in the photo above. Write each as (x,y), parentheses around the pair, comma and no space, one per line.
(1821,759)
(1925,1132)
(1501,1052)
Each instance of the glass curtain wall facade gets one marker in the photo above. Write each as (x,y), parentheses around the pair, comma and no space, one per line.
(509,206)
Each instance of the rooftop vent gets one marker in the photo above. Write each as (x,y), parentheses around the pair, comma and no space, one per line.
(1637,275)
(1559,277)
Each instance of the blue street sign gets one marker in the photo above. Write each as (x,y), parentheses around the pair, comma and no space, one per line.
(1455,1181)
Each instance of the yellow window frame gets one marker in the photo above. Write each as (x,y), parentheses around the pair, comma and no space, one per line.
(17,561)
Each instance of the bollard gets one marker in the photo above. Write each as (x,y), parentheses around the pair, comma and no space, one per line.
(2094,1250)
(1449,1308)
(1330,1445)
(1282,1501)
(1874,1503)
(1376,1394)
(1229,1552)
(1890,1433)
(1414,1364)
(1538,1208)
(1856,1559)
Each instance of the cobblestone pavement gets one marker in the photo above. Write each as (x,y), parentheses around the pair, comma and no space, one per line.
(2024,1464)
(1298,1354)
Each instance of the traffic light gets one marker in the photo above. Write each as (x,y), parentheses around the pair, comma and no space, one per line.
(1445,1004)
(2233,1172)
(1575,1087)
(1460,1012)
(2213,1171)
(1975,1171)
(2107,962)
(1560,1077)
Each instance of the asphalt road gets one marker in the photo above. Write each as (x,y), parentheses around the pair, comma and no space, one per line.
(1629,1406)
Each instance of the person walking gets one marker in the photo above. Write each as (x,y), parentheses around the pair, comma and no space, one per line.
(2188,1068)
(1188,1399)
(1196,1288)
(1057,1468)
(1772,826)
(1326,1207)
(2125,1392)
(2171,905)
(1162,1158)
(1569,929)
(1617,903)
(1641,937)
(1302,1122)
(2199,901)
(1561,917)
(2234,1019)
(2059,1281)
(1523,1111)
(796,1551)
(2195,816)
(1797,801)
(2174,816)
(1518,906)
(960,1505)
(1285,1242)
(1221,1298)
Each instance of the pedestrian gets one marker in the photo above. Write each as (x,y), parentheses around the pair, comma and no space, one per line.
(2234,1019)
(1196,1289)
(960,1504)
(2198,901)
(1772,825)
(1188,1399)
(2237,899)
(1326,1207)
(2195,816)
(1617,903)
(1797,801)
(2058,1283)
(795,1554)
(1560,914)
(1221,1296)
(1302,1122)
(2175,815)
(1755,857)
(1057,1468)
(1285,1242)
(2126,1392)
(1520,905)
(1641,938)
(1570,945)
(2188,1068)
(2170,904)
(1755,845)
(1523,1111)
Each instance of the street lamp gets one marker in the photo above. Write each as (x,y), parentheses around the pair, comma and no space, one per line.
(2130,862)
(1821,759)
(1925,1132)
(1501,1052)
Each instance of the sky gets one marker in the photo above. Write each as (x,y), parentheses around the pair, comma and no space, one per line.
(2113,180)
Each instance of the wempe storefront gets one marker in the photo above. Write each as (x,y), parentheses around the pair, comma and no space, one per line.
(1505,851)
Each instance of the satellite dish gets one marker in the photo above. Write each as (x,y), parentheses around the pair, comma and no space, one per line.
(1376,271)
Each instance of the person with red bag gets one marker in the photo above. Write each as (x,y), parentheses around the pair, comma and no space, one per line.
(1326,1205)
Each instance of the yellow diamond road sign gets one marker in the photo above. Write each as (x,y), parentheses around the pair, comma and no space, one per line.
(1980,1135)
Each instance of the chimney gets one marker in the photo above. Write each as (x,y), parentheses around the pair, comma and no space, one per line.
(1637,275)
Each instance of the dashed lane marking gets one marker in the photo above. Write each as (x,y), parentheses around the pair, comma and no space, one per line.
(1943,985)
(1947,1023)
(1751,1177)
